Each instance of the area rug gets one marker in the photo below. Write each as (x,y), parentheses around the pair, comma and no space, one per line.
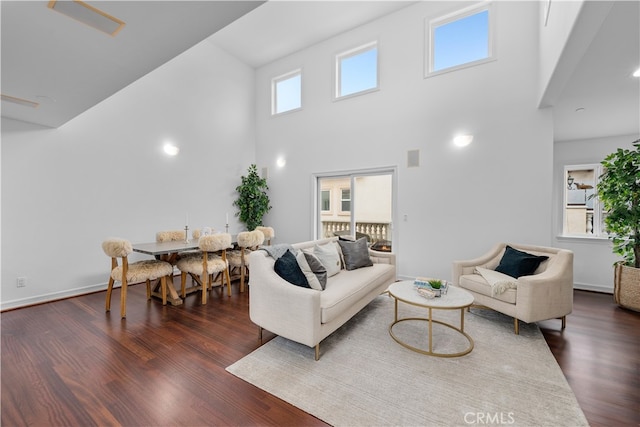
(365,378)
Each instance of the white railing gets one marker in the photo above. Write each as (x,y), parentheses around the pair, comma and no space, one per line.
(375,230)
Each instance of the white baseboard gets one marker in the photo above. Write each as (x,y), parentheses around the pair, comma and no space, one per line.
(593,288)
(39,299)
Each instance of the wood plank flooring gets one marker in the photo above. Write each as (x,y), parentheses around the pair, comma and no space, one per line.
(68,363)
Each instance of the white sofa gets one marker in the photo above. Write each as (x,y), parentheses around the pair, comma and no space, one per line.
(546,294)
(306,315)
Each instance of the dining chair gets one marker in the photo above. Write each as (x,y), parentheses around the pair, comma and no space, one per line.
(268,232)
(198,232)
(170,236)
(239,258)
(135,272)
(212,262)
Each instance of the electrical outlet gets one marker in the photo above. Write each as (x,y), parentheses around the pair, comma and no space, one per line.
(21,282)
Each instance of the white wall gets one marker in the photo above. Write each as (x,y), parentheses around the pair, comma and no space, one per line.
(104,173)
(593,258)
(459,202)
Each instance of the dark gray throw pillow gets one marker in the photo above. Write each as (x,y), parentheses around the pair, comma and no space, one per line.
(516,263)
(356,254)
(287,267)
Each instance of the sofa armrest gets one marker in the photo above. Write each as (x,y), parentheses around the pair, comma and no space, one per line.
(461,268)
(379,257)
(280,307)
(548,294)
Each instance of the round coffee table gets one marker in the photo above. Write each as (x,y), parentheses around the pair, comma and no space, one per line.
(454,299)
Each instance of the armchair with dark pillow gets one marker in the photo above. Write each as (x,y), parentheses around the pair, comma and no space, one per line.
(528,283)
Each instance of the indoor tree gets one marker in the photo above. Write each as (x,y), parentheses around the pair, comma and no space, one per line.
(252,201)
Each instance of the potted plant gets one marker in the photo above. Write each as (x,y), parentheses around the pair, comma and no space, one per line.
(619,193)
(252,201)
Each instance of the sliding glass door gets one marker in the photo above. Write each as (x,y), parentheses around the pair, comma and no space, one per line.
(357,204)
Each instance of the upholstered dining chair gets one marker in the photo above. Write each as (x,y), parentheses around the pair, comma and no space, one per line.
(170,236)
(269,233)
(198,232)
(136,272)
(239,258)
(213,261)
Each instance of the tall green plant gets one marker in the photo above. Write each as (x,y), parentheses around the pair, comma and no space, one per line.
(252,201)
(619,193)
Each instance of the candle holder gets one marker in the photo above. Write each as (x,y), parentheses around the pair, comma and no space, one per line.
(186,234)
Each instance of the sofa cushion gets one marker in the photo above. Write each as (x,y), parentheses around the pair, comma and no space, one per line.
(477,283)
(313,270)
(287,267)
(329,257)
(356,254)
(350,286)
(516,263)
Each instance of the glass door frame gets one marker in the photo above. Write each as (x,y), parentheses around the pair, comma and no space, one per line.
(352,175)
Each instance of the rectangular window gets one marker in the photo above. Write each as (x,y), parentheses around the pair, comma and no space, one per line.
(583,216)
(325,200)
(345,200)
(460,40)
(286,92)
(357,71)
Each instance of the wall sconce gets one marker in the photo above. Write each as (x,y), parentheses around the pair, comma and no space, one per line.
(462,140)
(281,162)
(171,149)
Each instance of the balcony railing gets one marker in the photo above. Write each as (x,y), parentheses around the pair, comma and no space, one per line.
(375,230)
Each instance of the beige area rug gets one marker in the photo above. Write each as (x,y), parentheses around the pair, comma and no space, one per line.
(365,378)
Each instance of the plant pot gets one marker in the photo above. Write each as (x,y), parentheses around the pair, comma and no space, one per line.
(626,287)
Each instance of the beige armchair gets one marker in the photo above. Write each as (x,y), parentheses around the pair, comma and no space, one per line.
(546,294)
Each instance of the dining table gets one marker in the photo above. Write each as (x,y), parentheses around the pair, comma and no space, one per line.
(169,251)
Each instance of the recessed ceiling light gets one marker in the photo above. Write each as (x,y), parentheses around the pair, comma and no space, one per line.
(89,15)
(637,73)
(20,101)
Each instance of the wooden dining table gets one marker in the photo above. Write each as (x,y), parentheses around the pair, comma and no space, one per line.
(169,251)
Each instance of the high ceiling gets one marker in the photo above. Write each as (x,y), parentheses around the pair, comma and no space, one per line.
(68,67)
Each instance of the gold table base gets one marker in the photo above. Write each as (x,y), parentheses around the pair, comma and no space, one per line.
(431,321)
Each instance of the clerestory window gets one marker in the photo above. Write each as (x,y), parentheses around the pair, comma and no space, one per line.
(460,40)
(357,71)
(286,92)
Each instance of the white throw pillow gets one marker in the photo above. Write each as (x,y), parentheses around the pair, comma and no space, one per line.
(329,257)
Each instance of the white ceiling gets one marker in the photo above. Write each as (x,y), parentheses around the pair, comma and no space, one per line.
(69,67)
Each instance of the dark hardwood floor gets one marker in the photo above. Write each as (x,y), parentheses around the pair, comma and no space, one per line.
(68,363)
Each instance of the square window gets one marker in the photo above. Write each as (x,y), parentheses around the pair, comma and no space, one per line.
(357,71)
(286,92)
(460,40)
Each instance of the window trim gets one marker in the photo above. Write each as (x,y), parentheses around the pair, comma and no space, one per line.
(431,24)
(274,91)
(598,231)
(337,77)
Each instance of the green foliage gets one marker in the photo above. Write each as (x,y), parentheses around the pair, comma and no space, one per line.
(252,201)
(435,284)
(619,193)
